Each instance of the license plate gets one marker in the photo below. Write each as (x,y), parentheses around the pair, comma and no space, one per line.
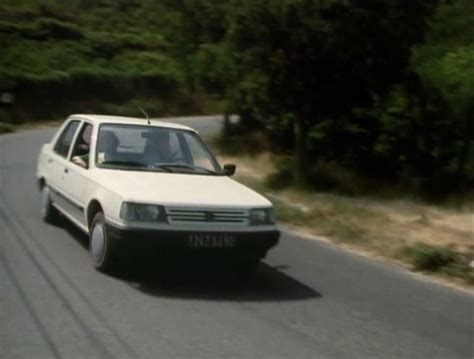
(210,240)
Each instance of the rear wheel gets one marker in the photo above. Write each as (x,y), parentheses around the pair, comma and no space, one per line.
(101,248)
(48,212)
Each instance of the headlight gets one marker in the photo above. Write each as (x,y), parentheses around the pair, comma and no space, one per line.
(262,216)
(142,212)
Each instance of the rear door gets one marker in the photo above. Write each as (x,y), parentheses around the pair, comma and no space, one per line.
(58,163)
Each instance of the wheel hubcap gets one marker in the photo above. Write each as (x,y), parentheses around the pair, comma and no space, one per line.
(98,242)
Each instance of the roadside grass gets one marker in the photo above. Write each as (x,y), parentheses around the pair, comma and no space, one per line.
(439,259)
(6,128)
(435,239)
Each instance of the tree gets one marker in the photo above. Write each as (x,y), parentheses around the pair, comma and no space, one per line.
(313,61)
(445,64)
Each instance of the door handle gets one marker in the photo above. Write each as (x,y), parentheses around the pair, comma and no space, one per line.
(66,170)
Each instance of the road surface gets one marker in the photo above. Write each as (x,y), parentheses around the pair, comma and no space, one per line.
(308,300)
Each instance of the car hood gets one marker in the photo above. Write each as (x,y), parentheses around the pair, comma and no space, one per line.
(179,189)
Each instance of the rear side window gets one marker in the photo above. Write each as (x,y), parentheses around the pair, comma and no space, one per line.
(65,139)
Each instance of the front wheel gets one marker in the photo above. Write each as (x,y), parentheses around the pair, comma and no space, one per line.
(101,248)
(48,212)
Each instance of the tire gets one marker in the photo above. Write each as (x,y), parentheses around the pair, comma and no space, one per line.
(101,249)
(48,212)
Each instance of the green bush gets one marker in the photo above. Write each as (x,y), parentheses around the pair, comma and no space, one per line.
(107,45)
(284,175)
(16,29)
(53,29)
(430,258)
(249,143)
(329,176)
(131,108)
(326,176)
(5,126)
(460,269)
(42,30)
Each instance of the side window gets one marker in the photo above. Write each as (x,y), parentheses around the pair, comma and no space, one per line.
(80,152)
(65,139)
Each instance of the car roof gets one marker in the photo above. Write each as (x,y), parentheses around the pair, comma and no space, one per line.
(99,119)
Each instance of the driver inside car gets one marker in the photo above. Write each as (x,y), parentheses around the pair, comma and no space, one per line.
(81,152)
(106,149)
(157,148)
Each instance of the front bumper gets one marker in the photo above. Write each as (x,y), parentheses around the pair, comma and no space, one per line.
(195,242)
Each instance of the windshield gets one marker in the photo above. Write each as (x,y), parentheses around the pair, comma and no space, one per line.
(149,148)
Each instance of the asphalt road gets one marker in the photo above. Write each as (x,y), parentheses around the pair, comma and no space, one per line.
(308,299)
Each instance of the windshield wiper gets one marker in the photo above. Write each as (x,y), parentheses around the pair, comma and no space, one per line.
(124,163)
(170,166)
(135,164)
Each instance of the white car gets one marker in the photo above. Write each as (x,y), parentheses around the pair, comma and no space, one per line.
(133,183)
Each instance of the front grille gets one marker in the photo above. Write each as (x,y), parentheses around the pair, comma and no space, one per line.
(205,216)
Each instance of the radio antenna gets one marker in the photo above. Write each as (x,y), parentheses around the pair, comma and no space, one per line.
(146,115)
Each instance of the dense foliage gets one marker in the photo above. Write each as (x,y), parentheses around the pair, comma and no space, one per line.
(380,89)
(383,89)
(83,55)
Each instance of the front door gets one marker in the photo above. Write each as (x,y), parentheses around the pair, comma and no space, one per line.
(75,178)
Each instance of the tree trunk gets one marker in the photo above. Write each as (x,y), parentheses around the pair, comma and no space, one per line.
(300,150)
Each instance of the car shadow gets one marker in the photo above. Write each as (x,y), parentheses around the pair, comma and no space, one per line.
(267,284)
(198,281)
(80,237)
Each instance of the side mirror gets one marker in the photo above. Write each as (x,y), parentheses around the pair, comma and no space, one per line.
(229,169)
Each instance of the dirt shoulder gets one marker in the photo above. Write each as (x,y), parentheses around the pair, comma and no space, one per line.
(434,240)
